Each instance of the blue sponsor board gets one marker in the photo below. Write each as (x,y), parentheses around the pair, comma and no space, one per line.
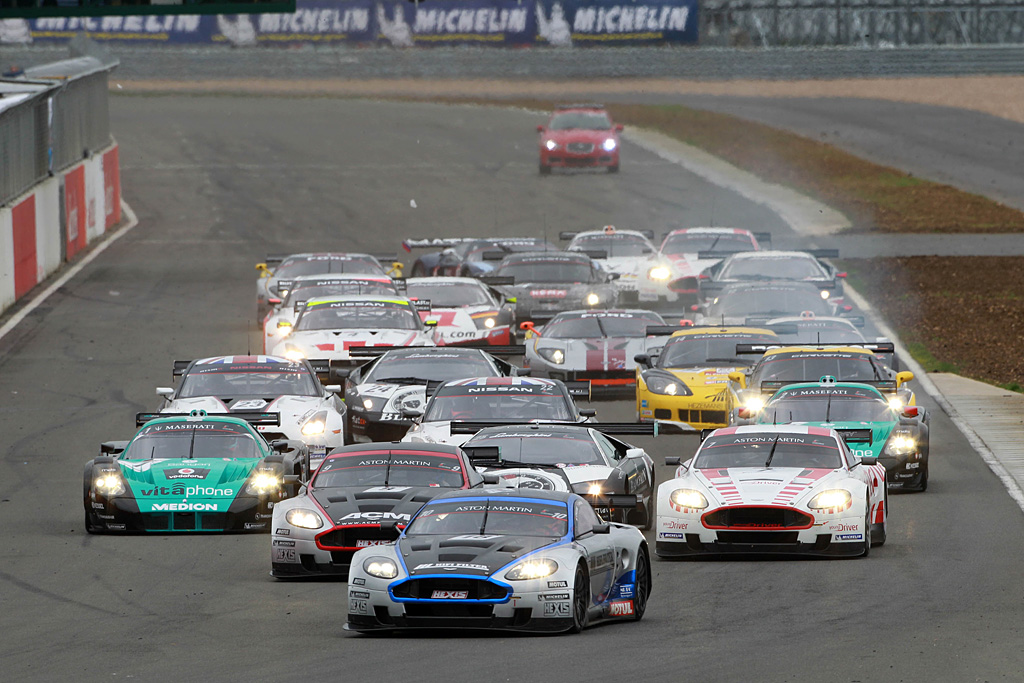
(612,22)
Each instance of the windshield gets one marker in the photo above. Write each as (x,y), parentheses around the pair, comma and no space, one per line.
(775,301)
(358,315)
(810,367)
(584,120)
(542,448)
(435,470)
(772,268)
(462,403)
(191,440)
(226,381)
(564,271)
(598,325)
(449,294)
(614,245)
(491,516)
(321,265)
(776,450)
(430,367)
(700,349)
(306,293)
(825,405)
(693,242)
(813,332)
(477,252)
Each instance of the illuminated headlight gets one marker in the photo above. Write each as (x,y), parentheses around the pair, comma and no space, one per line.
(754,404)
(833,499)
(556,356)
(688,498)
(315,425)
(489,323)
(551,145)
(609,145)
(304,519)
(371,404)
(381,567)
(825,294)
(109,484)
(295,355)
(896,404)
(532,569)
(588,488)
(659,273)
(666,386)
(282,324)
(901,445)
(263,483)
(593,299)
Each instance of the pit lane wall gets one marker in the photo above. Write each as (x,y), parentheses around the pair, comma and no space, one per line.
(398,23)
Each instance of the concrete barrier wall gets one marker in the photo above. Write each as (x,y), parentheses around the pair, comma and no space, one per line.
(57,219)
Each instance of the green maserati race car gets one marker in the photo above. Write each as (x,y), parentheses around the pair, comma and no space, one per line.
(871,424)
(195,472)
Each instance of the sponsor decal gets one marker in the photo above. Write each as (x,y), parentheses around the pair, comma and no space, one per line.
(475,537)
(451,566)
(449,595)
(366,543)
(284,543)
(556,609)
(358,606)
(185,507)
(670,534)
(913,465)
(186,473)
(359,594)
(626,591)
(98,506)
(843,527)
(673,524)
(283,532)
(509,389)
(386,489)
(555,596)
(186,491)
(250,404)
(850,537)
(376,516)
(358,582)
(558,584)
(621,608)
(285,555)
(548,293)
(116,527)
(255,525)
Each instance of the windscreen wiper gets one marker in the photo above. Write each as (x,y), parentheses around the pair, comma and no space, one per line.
(404,380)
(771,453)
(483,524)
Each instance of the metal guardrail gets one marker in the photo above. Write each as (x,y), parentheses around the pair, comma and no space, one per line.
(24,136)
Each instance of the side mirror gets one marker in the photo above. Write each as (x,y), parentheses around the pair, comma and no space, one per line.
(643,359)
(430,323)
(744,413)
(511,300)
(491,479)
(339,374)
(904,377)
(274,301)
(619,127)
(673,461)
(523,372)
(389,525)
(526,326)
(868,460)
(588,412)
(635,453)
(540,127)
(166,392)
(694,308)
(333,388)
(738,377)
(841,274)
(910,411)
(283,323)
(602,528)
(411,412)
(614,276)
(280,445)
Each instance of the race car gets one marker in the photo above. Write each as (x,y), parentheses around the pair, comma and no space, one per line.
(307,410)
(275,268)
(327,328)
(547,283)
(763,266)
(188,473)
(579,135)
(595,346)
(584,459)
(739,302)
(895,434)
(773,489)
(355,500)
(687,383)
(468,256)
(283,313)
(464,310)
(627,253)
(380,393)
(779,366)
(522,399)
(814,329)
(539,561)
(686,252)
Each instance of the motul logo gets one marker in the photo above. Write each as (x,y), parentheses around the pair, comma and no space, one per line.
(451,595)
(622,608)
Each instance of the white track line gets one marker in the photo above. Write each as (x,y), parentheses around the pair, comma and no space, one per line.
(72,271)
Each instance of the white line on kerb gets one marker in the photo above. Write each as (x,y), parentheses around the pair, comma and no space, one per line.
(72,271)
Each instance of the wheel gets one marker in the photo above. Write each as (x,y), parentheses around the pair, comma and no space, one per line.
(545,169)
(649,507)
(580,600)
(643,585)
(924,479)
(613,169)
(867,530)
(879,538)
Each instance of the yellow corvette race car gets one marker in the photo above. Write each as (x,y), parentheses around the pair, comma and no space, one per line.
(687,384)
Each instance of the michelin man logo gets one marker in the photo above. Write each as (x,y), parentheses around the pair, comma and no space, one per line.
(398,33)
(555,29)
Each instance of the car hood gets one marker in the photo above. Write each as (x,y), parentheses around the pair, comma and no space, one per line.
(688,265)
(763,485)
(880,432)
(335,344)
(374,504)
(553,290)
(549,478)
(468,554)
(395,395)
(178,479)
(598,355)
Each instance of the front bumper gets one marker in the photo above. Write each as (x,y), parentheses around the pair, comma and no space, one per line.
(686,412)
(906,472)
(297,556)
(368,427)
(563,158)
(122,514)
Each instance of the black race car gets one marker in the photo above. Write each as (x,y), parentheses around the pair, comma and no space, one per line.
(771,266)
(468,256)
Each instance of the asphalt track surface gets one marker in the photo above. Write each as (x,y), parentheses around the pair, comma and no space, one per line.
(219,182)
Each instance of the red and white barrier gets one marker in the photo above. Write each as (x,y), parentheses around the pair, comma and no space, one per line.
(32,236)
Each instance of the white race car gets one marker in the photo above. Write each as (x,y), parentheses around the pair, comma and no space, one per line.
(522,399)
(279,321)
(686,252)
(773,489)
(628,253)
(327,328)
(309,411)
(464,310)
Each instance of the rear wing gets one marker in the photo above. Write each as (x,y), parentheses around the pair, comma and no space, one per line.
(763,238)
(709,255)
(374,351)
(494,255)
(665,330)
(275,259)
(180,366)
(595,254)
(856,435)
(568,235)
(876,347)
(434,242)
(610,428)
(822,253)
(251,416)
(421,304)
(578,389)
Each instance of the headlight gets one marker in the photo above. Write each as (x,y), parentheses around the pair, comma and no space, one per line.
(315,425)
(263,483)
(609,145)
(658,384)
(754,404)
(687,498)
(295,355)
(551,145)
(593,299)
(532,569)
(372,404)
(556,356)
(304,519)
(588,488)
(381,567)
(825,294)
(109,484)
(896,404)
(659,273)
(901,444)
(489,323)
(835,500)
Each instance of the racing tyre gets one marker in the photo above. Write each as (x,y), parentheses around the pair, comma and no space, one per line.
(867,529)
(545,170)
(924,480)
(580,600)
(613,169)
(882,531)
(643,585)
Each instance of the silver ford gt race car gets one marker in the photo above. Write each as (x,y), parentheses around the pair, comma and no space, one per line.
(514,560)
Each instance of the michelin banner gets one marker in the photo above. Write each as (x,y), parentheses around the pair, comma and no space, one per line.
(398,23)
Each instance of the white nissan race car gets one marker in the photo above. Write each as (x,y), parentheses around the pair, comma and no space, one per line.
(773,489)
(629,253)
(327,328)
(464,310)
(309,411)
